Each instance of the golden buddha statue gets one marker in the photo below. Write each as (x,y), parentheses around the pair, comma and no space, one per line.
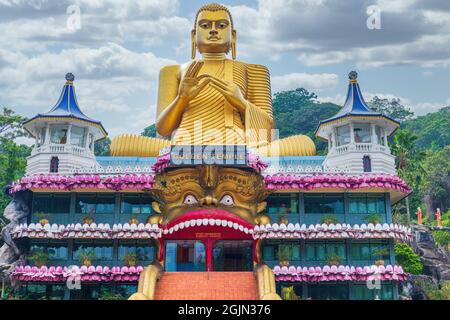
(214,100)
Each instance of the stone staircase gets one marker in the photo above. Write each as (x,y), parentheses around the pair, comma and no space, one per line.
(207,286)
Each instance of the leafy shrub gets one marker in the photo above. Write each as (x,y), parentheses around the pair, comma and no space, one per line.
(107,293)
(442,238)
(433,292)
(440,294)
(407,258)
(329,219)
(373,218)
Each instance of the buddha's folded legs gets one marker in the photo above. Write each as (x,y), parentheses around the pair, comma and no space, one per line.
(140,146)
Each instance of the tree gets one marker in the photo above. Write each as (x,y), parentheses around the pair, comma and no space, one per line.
(297,112)
(431,129)
(149,131)
(102,147)
(289,101)
(12,155)
(407,258)
(11,124)
(12,166)
(435,183)
(392,108)
(408,162)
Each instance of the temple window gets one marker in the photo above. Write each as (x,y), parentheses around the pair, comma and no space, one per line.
(87,292)
(144,252)
(323,252)
(285,203)
(343,135)
(41,137)
(77,136)
(48,291)
(95,203)
(380,135)
(51,203)
(367,252)
(101,252)
(324,203)
(54,165)
(58,134)
(274,251)
(362,133)
(367,164)
(91,141)
(328,291)
(136,204)
(55,251)
(367,204)
(362,292)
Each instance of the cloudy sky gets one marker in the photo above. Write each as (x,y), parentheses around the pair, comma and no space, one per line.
(120,45)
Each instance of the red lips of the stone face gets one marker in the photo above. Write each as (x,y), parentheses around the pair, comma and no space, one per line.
(213,223)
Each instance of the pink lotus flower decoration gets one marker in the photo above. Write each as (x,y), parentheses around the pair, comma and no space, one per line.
(332,231)
(68,183)
(83,273)
(339,273)
(318,181)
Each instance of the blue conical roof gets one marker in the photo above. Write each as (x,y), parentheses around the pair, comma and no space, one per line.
(354,103)
(67,106)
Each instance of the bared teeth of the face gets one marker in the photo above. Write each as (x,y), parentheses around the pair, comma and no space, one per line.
(175,228)
(205,222)
(166,231)
(198,222)
(245,230)
(181,225)
(235,226)
(224,223)
(171,230)
(250,231)
(212,222)
(187,224)
(230,224)
(241,228)
(218,222)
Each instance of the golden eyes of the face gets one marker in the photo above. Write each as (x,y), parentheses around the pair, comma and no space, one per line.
(208,24)
(222,25)
(227,200)
(190,199)
(205,25)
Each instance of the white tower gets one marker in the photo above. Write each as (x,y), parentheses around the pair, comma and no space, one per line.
(357,136)
(65,136)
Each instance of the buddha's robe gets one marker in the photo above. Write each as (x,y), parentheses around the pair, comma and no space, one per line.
(209,119)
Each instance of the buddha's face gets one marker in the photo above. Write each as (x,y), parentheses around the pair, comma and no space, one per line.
(213,32)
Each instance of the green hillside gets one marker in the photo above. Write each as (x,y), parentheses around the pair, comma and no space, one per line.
(432,130)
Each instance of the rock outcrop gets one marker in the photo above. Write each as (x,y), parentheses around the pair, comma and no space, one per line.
(436,260)
(16,212)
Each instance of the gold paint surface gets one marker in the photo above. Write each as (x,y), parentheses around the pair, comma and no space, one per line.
(187,189)
(214,100)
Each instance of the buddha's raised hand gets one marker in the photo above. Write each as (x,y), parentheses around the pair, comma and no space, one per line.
(230,91)
(191,84)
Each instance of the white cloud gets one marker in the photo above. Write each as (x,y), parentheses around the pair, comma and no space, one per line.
(111,82)
(331,32)
(312,82)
